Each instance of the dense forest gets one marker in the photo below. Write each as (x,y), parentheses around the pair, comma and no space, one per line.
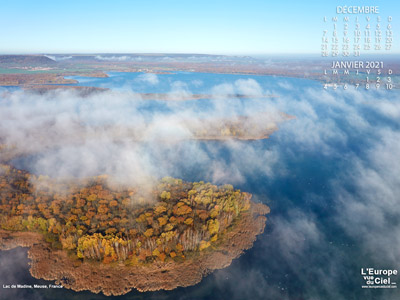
(95,221)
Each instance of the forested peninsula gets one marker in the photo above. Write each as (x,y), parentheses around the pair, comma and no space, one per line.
(93,234)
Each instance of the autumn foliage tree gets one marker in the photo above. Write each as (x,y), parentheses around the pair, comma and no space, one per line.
(97,222)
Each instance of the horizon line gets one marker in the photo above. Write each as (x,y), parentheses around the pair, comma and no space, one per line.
(192,53)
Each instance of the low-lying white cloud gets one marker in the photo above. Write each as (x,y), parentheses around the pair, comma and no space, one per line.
(360,130)
(149,78)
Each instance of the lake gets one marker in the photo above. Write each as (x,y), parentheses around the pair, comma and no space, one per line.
(328,177)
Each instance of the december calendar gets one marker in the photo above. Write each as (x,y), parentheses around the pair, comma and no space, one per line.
(357,40)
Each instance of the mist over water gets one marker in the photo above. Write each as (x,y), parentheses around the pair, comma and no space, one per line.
(331,176)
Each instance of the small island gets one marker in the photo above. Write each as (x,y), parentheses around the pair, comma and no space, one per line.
(95,235)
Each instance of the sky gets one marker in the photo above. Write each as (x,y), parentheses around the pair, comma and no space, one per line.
(214,27)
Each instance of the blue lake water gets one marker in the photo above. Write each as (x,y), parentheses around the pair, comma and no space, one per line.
(305,251)
(197,83)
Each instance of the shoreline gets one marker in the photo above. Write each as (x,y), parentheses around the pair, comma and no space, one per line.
(118,279)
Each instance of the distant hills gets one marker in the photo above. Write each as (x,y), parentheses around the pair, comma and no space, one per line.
(26,59)
(121,57)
